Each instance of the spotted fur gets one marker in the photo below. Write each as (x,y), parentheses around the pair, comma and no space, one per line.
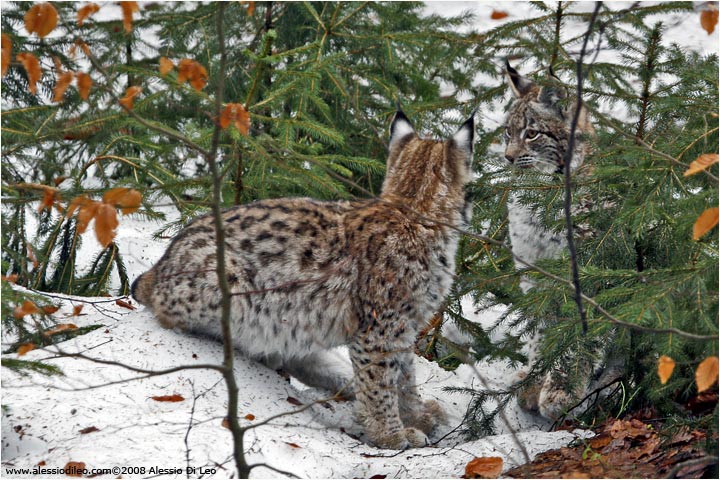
(307,276)
(536,137)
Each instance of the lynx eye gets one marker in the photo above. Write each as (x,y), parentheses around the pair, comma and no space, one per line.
(531,135)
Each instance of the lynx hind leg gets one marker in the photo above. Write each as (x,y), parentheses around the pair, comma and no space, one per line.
(323,369)
(377,399)
(414,411)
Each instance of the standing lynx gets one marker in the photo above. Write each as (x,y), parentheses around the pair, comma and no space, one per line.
(536,135)
(307,276)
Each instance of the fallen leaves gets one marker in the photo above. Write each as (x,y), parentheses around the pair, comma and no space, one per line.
(294,401)
(74,469)
(622,448)
(41,19)
(169,398)
(665,368)
(85,431)
(236,114)
(706,373)
(484,467)
(498,15)
(709,17)
(705,222)
(25,348)
(63,327)
(124,304)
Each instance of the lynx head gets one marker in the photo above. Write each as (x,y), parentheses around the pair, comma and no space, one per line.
(426,173)
(538,126)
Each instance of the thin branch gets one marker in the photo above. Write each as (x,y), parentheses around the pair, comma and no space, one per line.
(567,170)
(277,470)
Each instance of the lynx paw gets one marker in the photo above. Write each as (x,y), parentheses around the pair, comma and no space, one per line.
(401,440)
(427,417)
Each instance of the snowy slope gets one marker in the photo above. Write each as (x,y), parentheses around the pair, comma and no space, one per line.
(42,417)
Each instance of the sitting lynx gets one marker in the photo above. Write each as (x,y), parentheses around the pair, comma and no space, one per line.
(536,136)
(309,275)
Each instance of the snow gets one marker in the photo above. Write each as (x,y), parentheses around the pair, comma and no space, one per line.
(42,417)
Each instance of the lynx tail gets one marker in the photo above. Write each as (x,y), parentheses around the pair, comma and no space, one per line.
(142,287)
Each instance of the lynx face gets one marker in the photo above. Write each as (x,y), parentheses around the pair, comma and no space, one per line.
(538,126)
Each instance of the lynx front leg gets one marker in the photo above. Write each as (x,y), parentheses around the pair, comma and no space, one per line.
(377,372)
(415,412)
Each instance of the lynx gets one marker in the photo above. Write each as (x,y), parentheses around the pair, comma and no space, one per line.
(536,137)
(307,276)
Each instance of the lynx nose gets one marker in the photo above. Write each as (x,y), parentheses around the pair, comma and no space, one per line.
(510,158)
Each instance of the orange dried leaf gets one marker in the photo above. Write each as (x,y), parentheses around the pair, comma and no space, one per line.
(708,19)
(9,278)
(27,308)
(193,72)
(63,82)
(665,368)
(32,67)
(705,222)
(85,11)
(168,398)
(701,163)
(128,8)
(31,256)
(84,83)
(106,223)
(706,373)
(498,14)
(50,309)
(41,19)
(23,349)
(237,114)
(50,195)
(127,101)
(484,467)
(250,7)
(124,304)
(6,52)
(127,199)
(166,65)
(83,46)
(63,327)
(77,309)
(74,469)
(250,417)
(86,211)
(293,445)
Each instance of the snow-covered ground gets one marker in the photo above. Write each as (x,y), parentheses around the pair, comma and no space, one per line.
(43,418)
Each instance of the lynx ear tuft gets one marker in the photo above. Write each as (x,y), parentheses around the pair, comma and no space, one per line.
(465,136)
(400,128)
(519,85)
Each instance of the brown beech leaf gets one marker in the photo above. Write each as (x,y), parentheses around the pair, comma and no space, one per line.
(9,278)
(250,417)
(32,67)
(498,15)
(225,423)
(166,65)
(83,46)
(169,398)
(106,223)
(63,327)
(77,309)
(709,18)
(87,430)
(128,8)
(84,83)
(294,401)
(50,196)
(124,304)
(127,101)
(665,368)
(63,82)
(484,467)
(701,163)
(50,309)
(193,72)
(127,199)
(293,445)
(237,114)
(6,52)
(85,11)
(705,222)
(250,7)
(74,469)
(31,256)
(24,348)
(41,19)
(706,373)
(27,308)
(87,211)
